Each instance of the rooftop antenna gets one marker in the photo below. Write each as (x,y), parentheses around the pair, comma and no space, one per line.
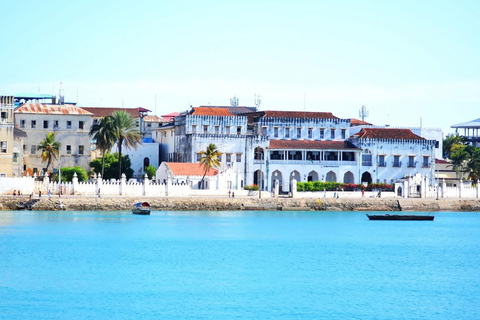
(257,100)
(234,101)
(363,113)
(61,98)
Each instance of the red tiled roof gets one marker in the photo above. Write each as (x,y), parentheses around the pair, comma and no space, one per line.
(207,111)
(103,112)
(52,109)
(189,169)
(299,114)
(309,144)
(441,161)
(355,122)
(387,133)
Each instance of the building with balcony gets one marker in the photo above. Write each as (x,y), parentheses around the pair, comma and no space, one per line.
(7,136)
(470,130)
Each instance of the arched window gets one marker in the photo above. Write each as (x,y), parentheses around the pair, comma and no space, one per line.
(146,163)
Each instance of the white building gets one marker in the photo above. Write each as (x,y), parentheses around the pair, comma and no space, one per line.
(262,146)
(71,126)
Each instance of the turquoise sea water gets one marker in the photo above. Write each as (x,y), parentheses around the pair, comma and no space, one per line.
(237,265)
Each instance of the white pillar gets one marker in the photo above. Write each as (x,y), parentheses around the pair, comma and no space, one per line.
(146,181)
(122,183)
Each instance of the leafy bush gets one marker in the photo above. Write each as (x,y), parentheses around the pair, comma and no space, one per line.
(68,172)
(336,186)
(151,171)
(253,187)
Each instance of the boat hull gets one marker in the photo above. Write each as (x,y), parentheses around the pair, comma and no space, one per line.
(141,211)
(404,217)
(141,208)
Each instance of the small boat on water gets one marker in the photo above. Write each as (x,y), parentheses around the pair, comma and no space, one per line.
(399,217)
(141,208)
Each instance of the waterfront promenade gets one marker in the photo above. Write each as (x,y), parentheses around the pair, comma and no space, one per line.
(224,203)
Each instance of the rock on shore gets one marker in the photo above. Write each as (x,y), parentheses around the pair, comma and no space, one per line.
(79,203)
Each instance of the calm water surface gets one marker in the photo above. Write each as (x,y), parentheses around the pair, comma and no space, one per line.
(237,265)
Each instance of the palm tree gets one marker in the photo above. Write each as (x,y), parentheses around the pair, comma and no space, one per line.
(103,133)
(126,133)
(50,149)
(210,159)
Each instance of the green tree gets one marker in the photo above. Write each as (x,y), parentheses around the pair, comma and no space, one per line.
(473,163)
(209,159)
(103,133)
(68,172)
(151,171)
(50,149)
(126,134)
(458,157)
(451,140)
(111,164)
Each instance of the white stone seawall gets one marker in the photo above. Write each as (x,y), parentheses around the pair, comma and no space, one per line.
(123,203)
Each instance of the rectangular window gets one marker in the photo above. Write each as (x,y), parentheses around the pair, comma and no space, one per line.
(275,132)
(239,157)
(81,124)
(264,131)
(287,132)
(22,123)
(239,130)
(69,124)
(3,147)
(426,163)
(217,129)
(299,133)
(411,161)
(55,125)
(33,124)
(15,157)
(344,133)
(69,149)
(81,149)
(322,133)
(4,116)
(396,161)
(199,157)
(332,133)
(194,128)
(381,161)
(367,159)
(228,157)
(227,129)
(33,149)
(45,124)
(205,129)
(310,133)
(219,158)
(24,148)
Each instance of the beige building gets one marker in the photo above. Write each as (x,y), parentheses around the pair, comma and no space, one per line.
(6,135)
(71,126)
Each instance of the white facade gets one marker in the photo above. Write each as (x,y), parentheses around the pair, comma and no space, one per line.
(146,154)
(305,146)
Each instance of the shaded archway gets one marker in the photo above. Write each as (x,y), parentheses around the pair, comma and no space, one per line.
(399,192)
(277,175)
(366,177)
(294,175)
(259,179)
(259,154)
(348,177)
(312,176)
(331,176)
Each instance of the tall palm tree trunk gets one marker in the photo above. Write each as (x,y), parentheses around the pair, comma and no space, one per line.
(120,142)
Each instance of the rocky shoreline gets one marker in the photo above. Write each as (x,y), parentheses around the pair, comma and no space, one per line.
(79,203)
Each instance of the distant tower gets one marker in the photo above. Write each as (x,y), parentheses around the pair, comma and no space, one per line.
(257,101)
(234,101)
(363,113)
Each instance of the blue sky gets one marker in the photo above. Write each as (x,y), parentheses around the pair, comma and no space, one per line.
(403,60)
